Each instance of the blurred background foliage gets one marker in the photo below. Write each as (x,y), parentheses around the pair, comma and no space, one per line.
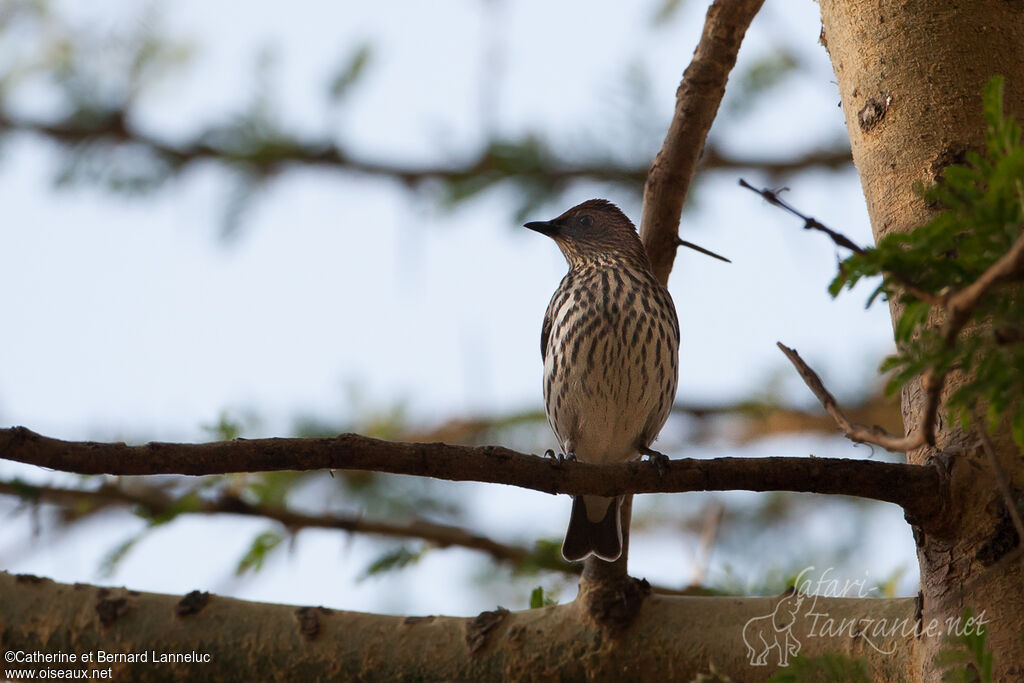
(95,82)
(65,87)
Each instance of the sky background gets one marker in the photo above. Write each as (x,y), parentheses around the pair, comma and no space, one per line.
(341,296)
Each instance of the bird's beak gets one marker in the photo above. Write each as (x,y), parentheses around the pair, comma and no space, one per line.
(548,228)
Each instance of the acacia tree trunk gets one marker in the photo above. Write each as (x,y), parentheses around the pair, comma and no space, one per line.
(910,76)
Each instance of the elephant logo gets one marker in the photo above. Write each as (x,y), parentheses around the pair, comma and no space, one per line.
(774,631)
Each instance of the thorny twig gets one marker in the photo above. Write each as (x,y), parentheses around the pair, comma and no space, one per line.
(839,239)
(957,307)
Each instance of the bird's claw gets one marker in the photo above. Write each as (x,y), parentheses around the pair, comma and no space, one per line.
(659,460)
(560,458)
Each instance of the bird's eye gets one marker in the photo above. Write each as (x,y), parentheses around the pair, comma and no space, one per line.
(585,221)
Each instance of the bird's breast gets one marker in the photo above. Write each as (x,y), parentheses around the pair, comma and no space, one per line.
(611,364)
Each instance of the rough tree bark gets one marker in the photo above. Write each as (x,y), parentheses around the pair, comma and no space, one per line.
(672,638)
(910,77)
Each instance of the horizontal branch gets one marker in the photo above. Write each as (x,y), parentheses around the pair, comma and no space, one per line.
(918,489)
(235,640)
(156,502)
(269,157)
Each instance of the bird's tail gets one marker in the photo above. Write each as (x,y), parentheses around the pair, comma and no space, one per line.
(585,536)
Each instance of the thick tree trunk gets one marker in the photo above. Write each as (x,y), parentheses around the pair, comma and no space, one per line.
(910,76)
(673,638)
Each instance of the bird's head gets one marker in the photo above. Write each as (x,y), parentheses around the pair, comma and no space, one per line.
(592,231)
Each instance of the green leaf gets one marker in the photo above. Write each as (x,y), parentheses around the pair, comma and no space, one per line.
(966,658)
(190,502)
(914,315)
(1017,426)
(349,74)
(261,546)
(828,667)
(25,490)
(114,556)
(538,599)
(224,429)
(392,561)
(992,103)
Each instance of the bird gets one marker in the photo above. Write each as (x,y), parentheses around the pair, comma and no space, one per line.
(610,345)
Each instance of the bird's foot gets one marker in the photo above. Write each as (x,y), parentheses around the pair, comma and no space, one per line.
(659,460)
(560,458)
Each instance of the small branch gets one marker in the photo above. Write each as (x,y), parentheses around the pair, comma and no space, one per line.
(773,198)
(156,502)
(697,100)
(840,240)
(696,247)
(917,489)
(1001,480)
(855,432)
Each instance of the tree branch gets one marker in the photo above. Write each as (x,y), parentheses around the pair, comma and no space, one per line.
(248,641)
(270,157)
(697,100)
(840,240)
(155,502)
(773,198)
(918,489)
(853,431)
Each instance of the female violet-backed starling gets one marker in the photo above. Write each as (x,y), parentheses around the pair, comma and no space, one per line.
(610,343)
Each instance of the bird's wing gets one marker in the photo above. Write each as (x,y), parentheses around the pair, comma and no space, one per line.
(549,314)
(545,332)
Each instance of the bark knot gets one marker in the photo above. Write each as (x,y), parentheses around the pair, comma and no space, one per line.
(480,627)
(614,605)
(193,603)
(309,620)
(873,112)
(109,610)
